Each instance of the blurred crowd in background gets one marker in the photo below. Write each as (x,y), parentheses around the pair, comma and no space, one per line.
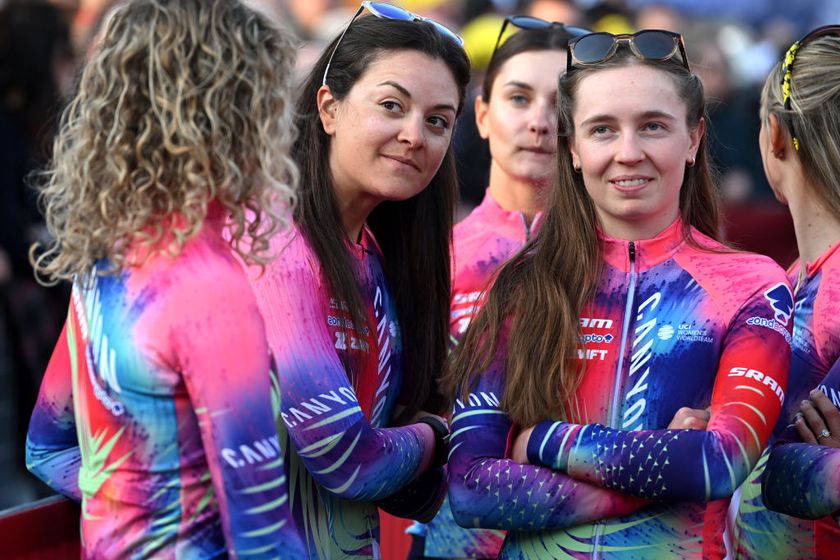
(732,44)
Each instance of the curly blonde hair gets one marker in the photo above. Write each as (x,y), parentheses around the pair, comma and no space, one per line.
(183,102)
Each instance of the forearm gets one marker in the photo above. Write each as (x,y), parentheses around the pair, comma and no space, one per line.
(357,462)
(802,480)
(674,465)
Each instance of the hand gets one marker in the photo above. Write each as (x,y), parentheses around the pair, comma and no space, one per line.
(818,420)
(690,419)
(519,452)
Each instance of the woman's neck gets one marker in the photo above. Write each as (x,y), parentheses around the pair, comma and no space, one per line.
(816,228)
(516,195)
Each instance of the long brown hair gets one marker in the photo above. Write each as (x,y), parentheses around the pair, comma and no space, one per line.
(531,314)
(414,234)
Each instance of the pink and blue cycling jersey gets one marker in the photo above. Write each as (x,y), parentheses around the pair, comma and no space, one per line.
(156,412)
(671,325)
(482,242)
(795,468)
(342,458)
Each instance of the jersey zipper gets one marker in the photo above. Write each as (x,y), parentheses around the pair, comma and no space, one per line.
(526,226)
(625,334)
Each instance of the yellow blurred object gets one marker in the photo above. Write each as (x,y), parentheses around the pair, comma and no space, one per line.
(418,6)
(480,36)
(615,24)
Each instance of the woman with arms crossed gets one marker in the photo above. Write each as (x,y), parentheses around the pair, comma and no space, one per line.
(799,141)
(356,309)
(622,309)
(156,410)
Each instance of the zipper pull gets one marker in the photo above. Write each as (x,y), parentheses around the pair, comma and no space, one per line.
(632,250)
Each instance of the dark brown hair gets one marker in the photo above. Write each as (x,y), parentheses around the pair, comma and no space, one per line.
(414,234)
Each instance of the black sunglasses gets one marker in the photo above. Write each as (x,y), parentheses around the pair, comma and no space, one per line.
(648,44)
(389,11)
(787,69)
(529,22)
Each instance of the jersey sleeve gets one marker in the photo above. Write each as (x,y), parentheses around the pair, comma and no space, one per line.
(220,348)
(489,490)
(688,465)
(803,479)
(52,448)
(339,447)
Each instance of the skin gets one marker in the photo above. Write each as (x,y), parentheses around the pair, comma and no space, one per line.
(633,148)
(818,413)
(389,134)
(816,228)
(519,122)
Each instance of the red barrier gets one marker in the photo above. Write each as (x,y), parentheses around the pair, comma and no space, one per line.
(46,529)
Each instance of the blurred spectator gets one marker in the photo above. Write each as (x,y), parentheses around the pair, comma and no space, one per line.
(35,66)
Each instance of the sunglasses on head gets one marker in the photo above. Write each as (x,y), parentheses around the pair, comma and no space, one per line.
(787,68)
(648,44)
(389,11)
(529,22)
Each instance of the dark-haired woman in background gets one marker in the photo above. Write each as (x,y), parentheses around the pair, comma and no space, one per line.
(516,114)
(356,306)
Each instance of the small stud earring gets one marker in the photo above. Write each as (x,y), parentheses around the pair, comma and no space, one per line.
(690,162)
(576,167)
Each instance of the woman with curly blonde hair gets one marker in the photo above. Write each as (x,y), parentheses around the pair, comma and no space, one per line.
(156,410)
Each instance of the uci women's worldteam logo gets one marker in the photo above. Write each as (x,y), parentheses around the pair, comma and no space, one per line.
(781,300)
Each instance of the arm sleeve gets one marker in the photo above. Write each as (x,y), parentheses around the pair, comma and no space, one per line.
(222,352)
(803,479)
(488,490)
(687,465)
(52,448)
(335,441)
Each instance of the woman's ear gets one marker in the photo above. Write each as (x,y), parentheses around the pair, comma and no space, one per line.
(778,140)
(327,107)
(696,135)
(481,110)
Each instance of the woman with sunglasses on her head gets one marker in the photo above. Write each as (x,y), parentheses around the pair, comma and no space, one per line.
(800,146)
(156,409)
(356,307)
(516,114)
(569,430)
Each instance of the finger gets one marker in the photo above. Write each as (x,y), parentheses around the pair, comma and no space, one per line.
(694,423)
(827,409)
(803,430)
(813,418)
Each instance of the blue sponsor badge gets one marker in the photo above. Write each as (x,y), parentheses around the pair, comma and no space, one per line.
(781,300)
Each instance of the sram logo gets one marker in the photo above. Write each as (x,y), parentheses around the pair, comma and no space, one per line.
(762,378)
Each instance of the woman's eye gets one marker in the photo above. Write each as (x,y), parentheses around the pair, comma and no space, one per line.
(439,122)
(518,99)
(598,130)
(654,127)
(392,106)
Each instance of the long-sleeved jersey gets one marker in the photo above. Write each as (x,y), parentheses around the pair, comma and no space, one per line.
(156,413)
(670,325)
(341,457)
(803,480)
(760,533)
(482,242)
